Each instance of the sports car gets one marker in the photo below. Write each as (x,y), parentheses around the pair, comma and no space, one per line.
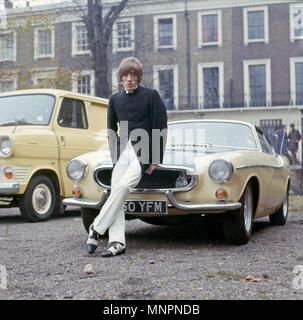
(223,168)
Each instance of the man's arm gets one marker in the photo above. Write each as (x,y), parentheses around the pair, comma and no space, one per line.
(112,128)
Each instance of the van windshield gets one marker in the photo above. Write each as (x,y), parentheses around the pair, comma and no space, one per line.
(29,109)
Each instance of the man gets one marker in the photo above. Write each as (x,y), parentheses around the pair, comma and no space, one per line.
(141,115)
(294,137)
(281,143)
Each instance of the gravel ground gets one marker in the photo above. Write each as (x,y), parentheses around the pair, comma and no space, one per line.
(193,262)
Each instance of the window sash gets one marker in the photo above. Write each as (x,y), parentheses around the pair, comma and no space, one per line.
(83,84)
(7,52)
(299,82)
(123,35)
(210,28)
(257,84)
(82,38)
(256,24)
(165,33)
(298,21)
(45,42)
(166,87)
(211,87)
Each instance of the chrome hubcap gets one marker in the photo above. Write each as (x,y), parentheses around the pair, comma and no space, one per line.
(41,199)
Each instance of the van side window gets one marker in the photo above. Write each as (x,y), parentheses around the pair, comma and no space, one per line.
(72,114)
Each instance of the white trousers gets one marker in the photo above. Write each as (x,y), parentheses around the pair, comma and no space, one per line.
(125,176)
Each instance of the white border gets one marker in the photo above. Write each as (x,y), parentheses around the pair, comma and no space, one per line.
(246,64)
(156,85)
(245,24)
(292,21)
(156,31)
(293,91)
(14,34)
(75,76)
(75,50)
(36,43)
(132,35)
(201,66)
(200,28)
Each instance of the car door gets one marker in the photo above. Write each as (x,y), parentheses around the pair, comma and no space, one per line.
(74,135)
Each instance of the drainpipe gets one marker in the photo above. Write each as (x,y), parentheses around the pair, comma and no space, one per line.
(188,59)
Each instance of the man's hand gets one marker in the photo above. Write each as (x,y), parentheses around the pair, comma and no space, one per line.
(151,168)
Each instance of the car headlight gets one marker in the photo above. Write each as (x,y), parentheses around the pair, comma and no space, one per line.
(220,170)
(6,148)
(76,170)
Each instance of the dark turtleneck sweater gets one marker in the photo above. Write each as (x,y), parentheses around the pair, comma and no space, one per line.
(141,109)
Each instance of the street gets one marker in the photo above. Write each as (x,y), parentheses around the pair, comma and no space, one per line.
(47,261)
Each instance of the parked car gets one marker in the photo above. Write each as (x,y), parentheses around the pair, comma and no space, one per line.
(218,167)
(40,131)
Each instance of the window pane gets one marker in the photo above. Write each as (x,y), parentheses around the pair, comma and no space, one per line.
(124,34)
(210,28)
(298,21)
(83,85)
(211,87)
(7,44)
(82,39)
(45,41)
(299,82)
(257,85)
(165,32)
(166,87)
(255,21)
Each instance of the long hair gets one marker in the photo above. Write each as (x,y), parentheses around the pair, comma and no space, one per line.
(130,65)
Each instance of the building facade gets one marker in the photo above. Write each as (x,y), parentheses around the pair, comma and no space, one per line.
(209,59)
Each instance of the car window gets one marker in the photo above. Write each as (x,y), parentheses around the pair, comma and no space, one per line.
(72,114)
(266,147)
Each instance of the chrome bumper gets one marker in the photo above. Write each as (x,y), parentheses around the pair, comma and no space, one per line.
(186,206)
(9,188)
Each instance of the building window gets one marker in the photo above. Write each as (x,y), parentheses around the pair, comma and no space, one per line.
(296,21)
(43,78)
(124,35)
(166,81)
(209,28)
(255,25)
(257,83)
(8,47)
(80,43)
(8,85)
(165,32)
(44,43)
(269,127)
(83,82)
(211,85)
(296,80)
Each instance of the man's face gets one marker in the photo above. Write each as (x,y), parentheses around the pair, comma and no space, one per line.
(130,81)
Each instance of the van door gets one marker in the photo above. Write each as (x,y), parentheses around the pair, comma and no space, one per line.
(74,136)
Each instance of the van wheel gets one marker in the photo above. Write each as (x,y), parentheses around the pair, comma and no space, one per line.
(39,200)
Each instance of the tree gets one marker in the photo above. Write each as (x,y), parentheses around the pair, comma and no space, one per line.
(99,29)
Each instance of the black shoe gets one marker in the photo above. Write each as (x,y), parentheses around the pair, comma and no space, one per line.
(115,248)
(92,241)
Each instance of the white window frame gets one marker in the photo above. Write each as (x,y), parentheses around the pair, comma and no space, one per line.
(245,24)
(37,75)
(75,50)
(37,55)
(9,78)
(292,21)
(132,35)
(201,66)
(200,28)
(156,84)
(246,64)
(76,75)
(115,80)
(14,58)
(293,91)
(156,31)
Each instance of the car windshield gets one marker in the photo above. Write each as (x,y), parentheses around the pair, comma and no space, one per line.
(210,136)
(31,109)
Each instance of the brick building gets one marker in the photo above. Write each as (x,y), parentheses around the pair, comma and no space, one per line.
(213,59)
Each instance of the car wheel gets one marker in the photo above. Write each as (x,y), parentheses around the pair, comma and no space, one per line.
(88,216)
(279,217)
(39,200)
(238,225)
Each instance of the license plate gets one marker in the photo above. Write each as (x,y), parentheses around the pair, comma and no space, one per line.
(145,206)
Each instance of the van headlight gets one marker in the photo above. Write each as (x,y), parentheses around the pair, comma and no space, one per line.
(76,170)
(6,148)
(220,170)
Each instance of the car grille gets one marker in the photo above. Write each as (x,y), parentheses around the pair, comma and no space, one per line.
(162,179)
